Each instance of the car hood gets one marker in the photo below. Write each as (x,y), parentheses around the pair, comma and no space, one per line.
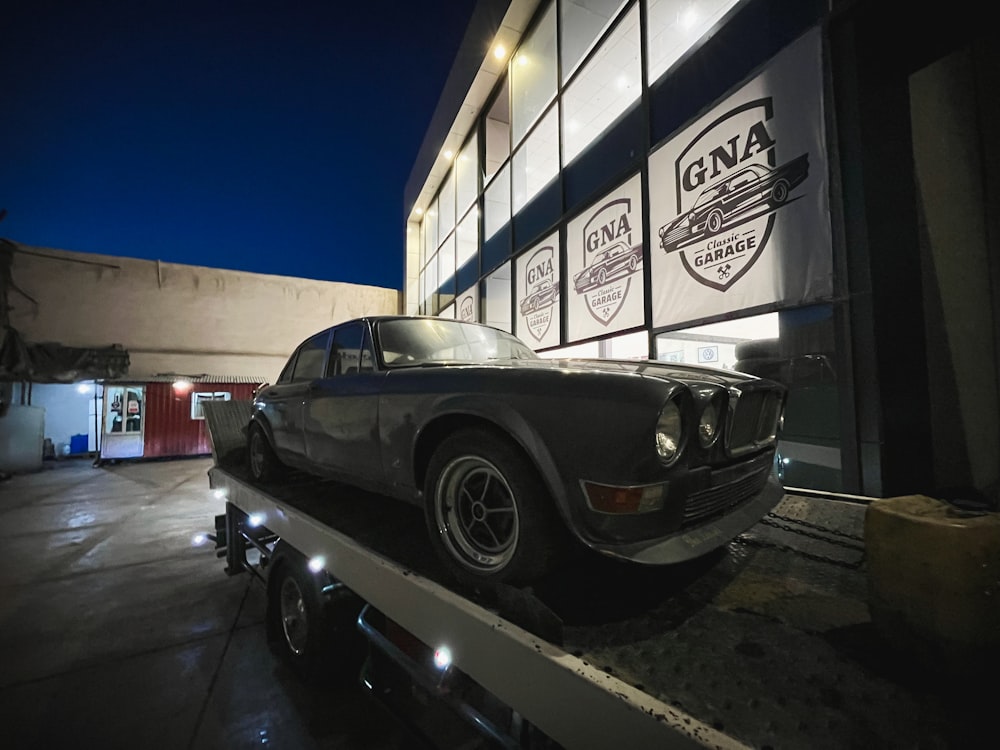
(687,374)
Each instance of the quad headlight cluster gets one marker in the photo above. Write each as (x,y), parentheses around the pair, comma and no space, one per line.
(669,437)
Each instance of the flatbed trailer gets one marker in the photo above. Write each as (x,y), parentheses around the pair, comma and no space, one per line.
(767,643)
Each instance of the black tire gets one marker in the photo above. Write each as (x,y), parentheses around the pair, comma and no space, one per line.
(489,515)
(714,222)
(264,464)
(315,633)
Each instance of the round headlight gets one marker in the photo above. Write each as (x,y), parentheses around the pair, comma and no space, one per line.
(708,425)
(669,432)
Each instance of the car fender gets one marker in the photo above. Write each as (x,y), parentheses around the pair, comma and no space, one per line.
(487,409)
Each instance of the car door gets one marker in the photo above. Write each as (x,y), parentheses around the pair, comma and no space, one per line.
(283,401)
(341,411)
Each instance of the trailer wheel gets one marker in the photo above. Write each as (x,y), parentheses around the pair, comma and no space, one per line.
(264,464)
(315,633)
(489,515)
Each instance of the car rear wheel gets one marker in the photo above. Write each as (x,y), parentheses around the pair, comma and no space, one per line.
(488,513)
(714,222)
(264,464)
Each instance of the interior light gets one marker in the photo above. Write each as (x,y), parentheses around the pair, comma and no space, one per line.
(182,385)
(83,388)
(420,212)
(199,539)
(220,494)
(317,564)
(522,59)
(448,154)
(255,520)
(689,18)
(499,52)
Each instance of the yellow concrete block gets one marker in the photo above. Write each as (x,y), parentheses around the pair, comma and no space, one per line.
(934,576)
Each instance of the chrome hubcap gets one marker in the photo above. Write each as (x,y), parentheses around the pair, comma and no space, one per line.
(294,621)
(476,514)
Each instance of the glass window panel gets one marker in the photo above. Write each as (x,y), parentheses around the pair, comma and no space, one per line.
(536,162)
(446,207)
(467,238)
(533,74)
(446,271)
(430,284)
(497,204)
(497,133)
(466,186)
(498,299)
(446,261)
(312,356)
(430,229)
(589,350)
(604,88)
(674,26)
(581,22)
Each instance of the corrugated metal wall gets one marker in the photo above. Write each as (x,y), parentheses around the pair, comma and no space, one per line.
(169,430)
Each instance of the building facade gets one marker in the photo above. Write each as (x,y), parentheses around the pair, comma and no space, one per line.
(764,185)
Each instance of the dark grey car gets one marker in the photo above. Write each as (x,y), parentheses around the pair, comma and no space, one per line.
(506,452)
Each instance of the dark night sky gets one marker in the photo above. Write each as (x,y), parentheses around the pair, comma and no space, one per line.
(273,137)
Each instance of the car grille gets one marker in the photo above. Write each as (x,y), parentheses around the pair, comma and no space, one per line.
(714,501)
(754,420)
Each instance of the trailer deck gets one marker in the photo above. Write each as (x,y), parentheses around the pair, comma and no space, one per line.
(767,643)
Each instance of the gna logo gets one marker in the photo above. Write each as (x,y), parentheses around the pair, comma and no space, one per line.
(609,258)
(541,292)
(467,309)
(728,192)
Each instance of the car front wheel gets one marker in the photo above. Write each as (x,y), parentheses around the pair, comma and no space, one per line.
(488,513)
(779,193)
(714,222)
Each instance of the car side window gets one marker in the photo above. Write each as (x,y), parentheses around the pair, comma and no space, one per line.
(351,352)
(312,355)
(286,373)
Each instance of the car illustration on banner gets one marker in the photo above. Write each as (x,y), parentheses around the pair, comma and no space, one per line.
(619,259)
(544,294)
(516,459)
(755,189)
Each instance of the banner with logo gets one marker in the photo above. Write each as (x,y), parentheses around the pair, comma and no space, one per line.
(537,319)
(467,305)
(738,201)
(604,251)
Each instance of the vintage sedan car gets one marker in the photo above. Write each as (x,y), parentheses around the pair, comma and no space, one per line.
(515,458)
(619,259)
(544,294)
(752,190)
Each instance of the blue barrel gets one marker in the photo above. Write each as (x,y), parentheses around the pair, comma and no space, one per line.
(78,444)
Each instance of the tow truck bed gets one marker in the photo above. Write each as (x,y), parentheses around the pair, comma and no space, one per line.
(767,643)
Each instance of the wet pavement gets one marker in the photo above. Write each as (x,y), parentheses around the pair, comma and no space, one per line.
(117,631)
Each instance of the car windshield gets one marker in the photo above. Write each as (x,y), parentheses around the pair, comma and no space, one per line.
(411,342)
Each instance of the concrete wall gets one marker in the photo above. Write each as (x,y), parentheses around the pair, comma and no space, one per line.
(176,318)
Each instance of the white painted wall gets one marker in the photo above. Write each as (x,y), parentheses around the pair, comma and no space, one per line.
(68,411)
(176,318)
